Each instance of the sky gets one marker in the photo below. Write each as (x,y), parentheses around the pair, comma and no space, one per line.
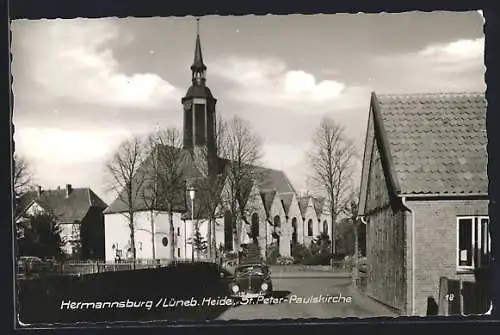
(82,86)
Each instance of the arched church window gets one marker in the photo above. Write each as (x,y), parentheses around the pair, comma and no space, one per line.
(254,229)
(294,231)
(325,227)
(164,241)
(310,227)
(277,221)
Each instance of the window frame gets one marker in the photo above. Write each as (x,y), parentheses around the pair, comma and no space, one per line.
(476,222)
(310,228)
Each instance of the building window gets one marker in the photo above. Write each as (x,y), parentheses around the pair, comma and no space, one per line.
(325,227)
(310,227)
(140,246)
(164,241)
(178,252)
(254,230)
(178,231)
(294,231)
(473,242)
(228,231)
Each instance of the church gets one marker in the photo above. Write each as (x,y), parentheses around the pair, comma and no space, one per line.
(277,215)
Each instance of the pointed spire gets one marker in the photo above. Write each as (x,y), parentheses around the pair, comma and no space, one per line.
(198,65)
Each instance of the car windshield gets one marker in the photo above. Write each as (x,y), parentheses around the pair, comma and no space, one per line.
(251,269)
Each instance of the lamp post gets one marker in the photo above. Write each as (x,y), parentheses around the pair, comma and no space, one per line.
(192,192)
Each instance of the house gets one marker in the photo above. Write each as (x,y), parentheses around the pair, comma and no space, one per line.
(272,206)
(78,211)
(423,195)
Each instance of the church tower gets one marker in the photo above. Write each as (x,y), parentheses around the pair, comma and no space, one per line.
(199,109)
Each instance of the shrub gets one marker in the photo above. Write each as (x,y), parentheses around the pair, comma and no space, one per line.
(299,253)
(284,260)
(272,253)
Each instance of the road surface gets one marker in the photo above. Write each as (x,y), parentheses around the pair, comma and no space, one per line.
(310,296)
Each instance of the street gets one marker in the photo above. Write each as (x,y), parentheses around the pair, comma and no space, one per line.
(330,298)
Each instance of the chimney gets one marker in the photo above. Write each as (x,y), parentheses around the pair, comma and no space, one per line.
(39,190)
(69,189)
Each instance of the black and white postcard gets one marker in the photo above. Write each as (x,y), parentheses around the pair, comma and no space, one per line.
(188,169)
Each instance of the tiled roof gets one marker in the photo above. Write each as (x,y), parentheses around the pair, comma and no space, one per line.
(267,199)
(303,203)
(286,201)
(266,179)
(144,183)
(318,205)
(437,141)
(203,191)
(66,209)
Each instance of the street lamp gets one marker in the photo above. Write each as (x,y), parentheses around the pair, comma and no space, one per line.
(192,192)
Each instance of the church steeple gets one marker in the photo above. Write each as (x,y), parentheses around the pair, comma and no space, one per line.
(198,68)
(199,108)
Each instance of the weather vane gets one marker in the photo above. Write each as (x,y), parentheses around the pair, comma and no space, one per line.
(197,25)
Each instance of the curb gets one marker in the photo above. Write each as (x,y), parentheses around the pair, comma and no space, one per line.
(291,275)
(372,304)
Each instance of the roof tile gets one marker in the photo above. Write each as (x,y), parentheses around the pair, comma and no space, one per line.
(437,141)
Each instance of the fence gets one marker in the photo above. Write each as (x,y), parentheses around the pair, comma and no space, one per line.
(457,297)
(82,268)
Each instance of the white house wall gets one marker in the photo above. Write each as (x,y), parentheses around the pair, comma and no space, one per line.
(285,231)
(117,233)
(69,231)
(255,205)
(310,213)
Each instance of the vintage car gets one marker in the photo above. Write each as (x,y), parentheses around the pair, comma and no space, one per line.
(251,280)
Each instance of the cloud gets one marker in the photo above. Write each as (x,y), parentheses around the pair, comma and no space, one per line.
(74,61)
(278,156)
(453,66)
(269,82)
(461,52)
(62,146)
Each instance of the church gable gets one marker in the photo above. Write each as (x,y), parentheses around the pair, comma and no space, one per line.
(255,204)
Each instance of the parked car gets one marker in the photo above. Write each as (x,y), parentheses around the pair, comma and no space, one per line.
(33,264)
(251,280)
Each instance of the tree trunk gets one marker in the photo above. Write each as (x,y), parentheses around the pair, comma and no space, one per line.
(132,238)
(171,234)
(209,238)
(153,236)
(237,237)
(356,253)
(334,237)
(213,242)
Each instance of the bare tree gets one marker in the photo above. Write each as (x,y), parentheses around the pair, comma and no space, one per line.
(168,175)
(22,176)
(243,148)
(127,179)
(211,184)
(331,160)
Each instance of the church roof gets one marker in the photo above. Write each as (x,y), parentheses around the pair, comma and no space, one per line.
(286,201)
(267,200)
(319,202)
(269,181)
(198,64)
(303,203)
(196,91)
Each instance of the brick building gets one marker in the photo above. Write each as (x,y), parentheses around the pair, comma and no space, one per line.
(423,195)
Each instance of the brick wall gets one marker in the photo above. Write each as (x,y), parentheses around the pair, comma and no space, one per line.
(436,243)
